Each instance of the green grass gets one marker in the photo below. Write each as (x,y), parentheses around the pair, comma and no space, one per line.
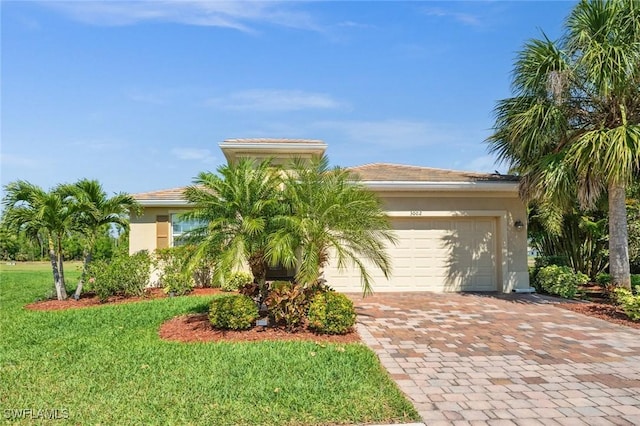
(107,365)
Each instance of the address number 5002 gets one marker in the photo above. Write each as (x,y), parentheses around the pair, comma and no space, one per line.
(415,213)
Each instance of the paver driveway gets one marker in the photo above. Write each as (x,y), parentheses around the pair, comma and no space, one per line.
(504,360)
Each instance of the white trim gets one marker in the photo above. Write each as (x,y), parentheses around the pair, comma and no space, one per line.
(278,146)
(446,213)
(441,186)
(163,203)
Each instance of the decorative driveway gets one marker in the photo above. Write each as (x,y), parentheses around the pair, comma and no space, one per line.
(503,360)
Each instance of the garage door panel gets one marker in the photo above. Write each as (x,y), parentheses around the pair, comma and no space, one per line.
(435,255)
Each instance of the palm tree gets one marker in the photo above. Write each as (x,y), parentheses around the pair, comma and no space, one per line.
(92,211)
(35,212)
(236,208)
(329,212)
(572,127)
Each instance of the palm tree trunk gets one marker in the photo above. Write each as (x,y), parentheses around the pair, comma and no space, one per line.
(61,266)
(61,292)
(618,237)
(87,259)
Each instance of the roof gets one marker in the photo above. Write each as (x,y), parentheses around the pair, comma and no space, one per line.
(379,176)
(402,173)
(252,141)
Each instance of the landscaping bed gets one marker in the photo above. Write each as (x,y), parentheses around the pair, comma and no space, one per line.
(604,311)
(197,328)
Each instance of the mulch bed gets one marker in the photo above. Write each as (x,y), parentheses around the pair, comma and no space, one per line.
(197,328)
(89,299)
(604,311)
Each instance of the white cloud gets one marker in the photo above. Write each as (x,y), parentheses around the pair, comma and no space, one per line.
(193,154)
(238,15)
(463,18)
(97,144)
(274,100)
(17,161)
(394,133)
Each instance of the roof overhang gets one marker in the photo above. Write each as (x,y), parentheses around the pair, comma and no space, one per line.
(232,150)
(387,186)
(163,203)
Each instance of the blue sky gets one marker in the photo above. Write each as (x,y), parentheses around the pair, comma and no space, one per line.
(139,94)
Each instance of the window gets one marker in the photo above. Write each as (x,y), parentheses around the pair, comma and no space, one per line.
(180,227)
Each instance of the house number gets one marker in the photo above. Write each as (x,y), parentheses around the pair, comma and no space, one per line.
(415,213)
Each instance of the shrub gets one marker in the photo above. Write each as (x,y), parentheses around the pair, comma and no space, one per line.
(635,280)
(252,290)
(544,261)
(287,303)
(124,276)
(560,280)
(629,303)
(603,279)
(233,312)
(236,280)
(174,261)
(331,313)
(174,275)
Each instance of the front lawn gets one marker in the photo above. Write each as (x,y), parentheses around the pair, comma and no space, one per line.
(107,365)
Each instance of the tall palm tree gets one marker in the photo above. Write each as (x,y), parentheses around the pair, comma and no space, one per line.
(329,212)
(572,128)
(35,212)
(92,211)
(236,208)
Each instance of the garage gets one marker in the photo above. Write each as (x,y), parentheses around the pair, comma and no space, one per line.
(434,254)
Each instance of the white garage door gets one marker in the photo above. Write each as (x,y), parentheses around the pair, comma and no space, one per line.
(433,255)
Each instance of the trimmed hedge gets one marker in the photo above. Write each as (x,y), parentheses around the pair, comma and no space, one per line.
(560,280)
(236,280)
(331,313)
(233,312)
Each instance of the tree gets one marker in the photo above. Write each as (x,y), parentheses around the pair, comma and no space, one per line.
(572,130)
(35,212)
(581,243)
(329,211)
(92,212)
(236,209)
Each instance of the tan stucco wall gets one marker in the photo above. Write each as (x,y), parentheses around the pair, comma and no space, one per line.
(514,260)
(142,234)
(423,207)
(506,207)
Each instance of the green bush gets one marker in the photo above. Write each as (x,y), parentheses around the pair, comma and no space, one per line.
(287,303)
(331,313)
(233,312)
(560,280)
(544,261)
(174,274)
(174,261)
(603,279)
(629,302)
(236,280)
(124,276)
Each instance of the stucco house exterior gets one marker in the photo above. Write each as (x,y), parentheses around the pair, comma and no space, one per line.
(457,231)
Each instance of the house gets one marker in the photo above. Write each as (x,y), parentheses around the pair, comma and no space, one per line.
(457,231)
